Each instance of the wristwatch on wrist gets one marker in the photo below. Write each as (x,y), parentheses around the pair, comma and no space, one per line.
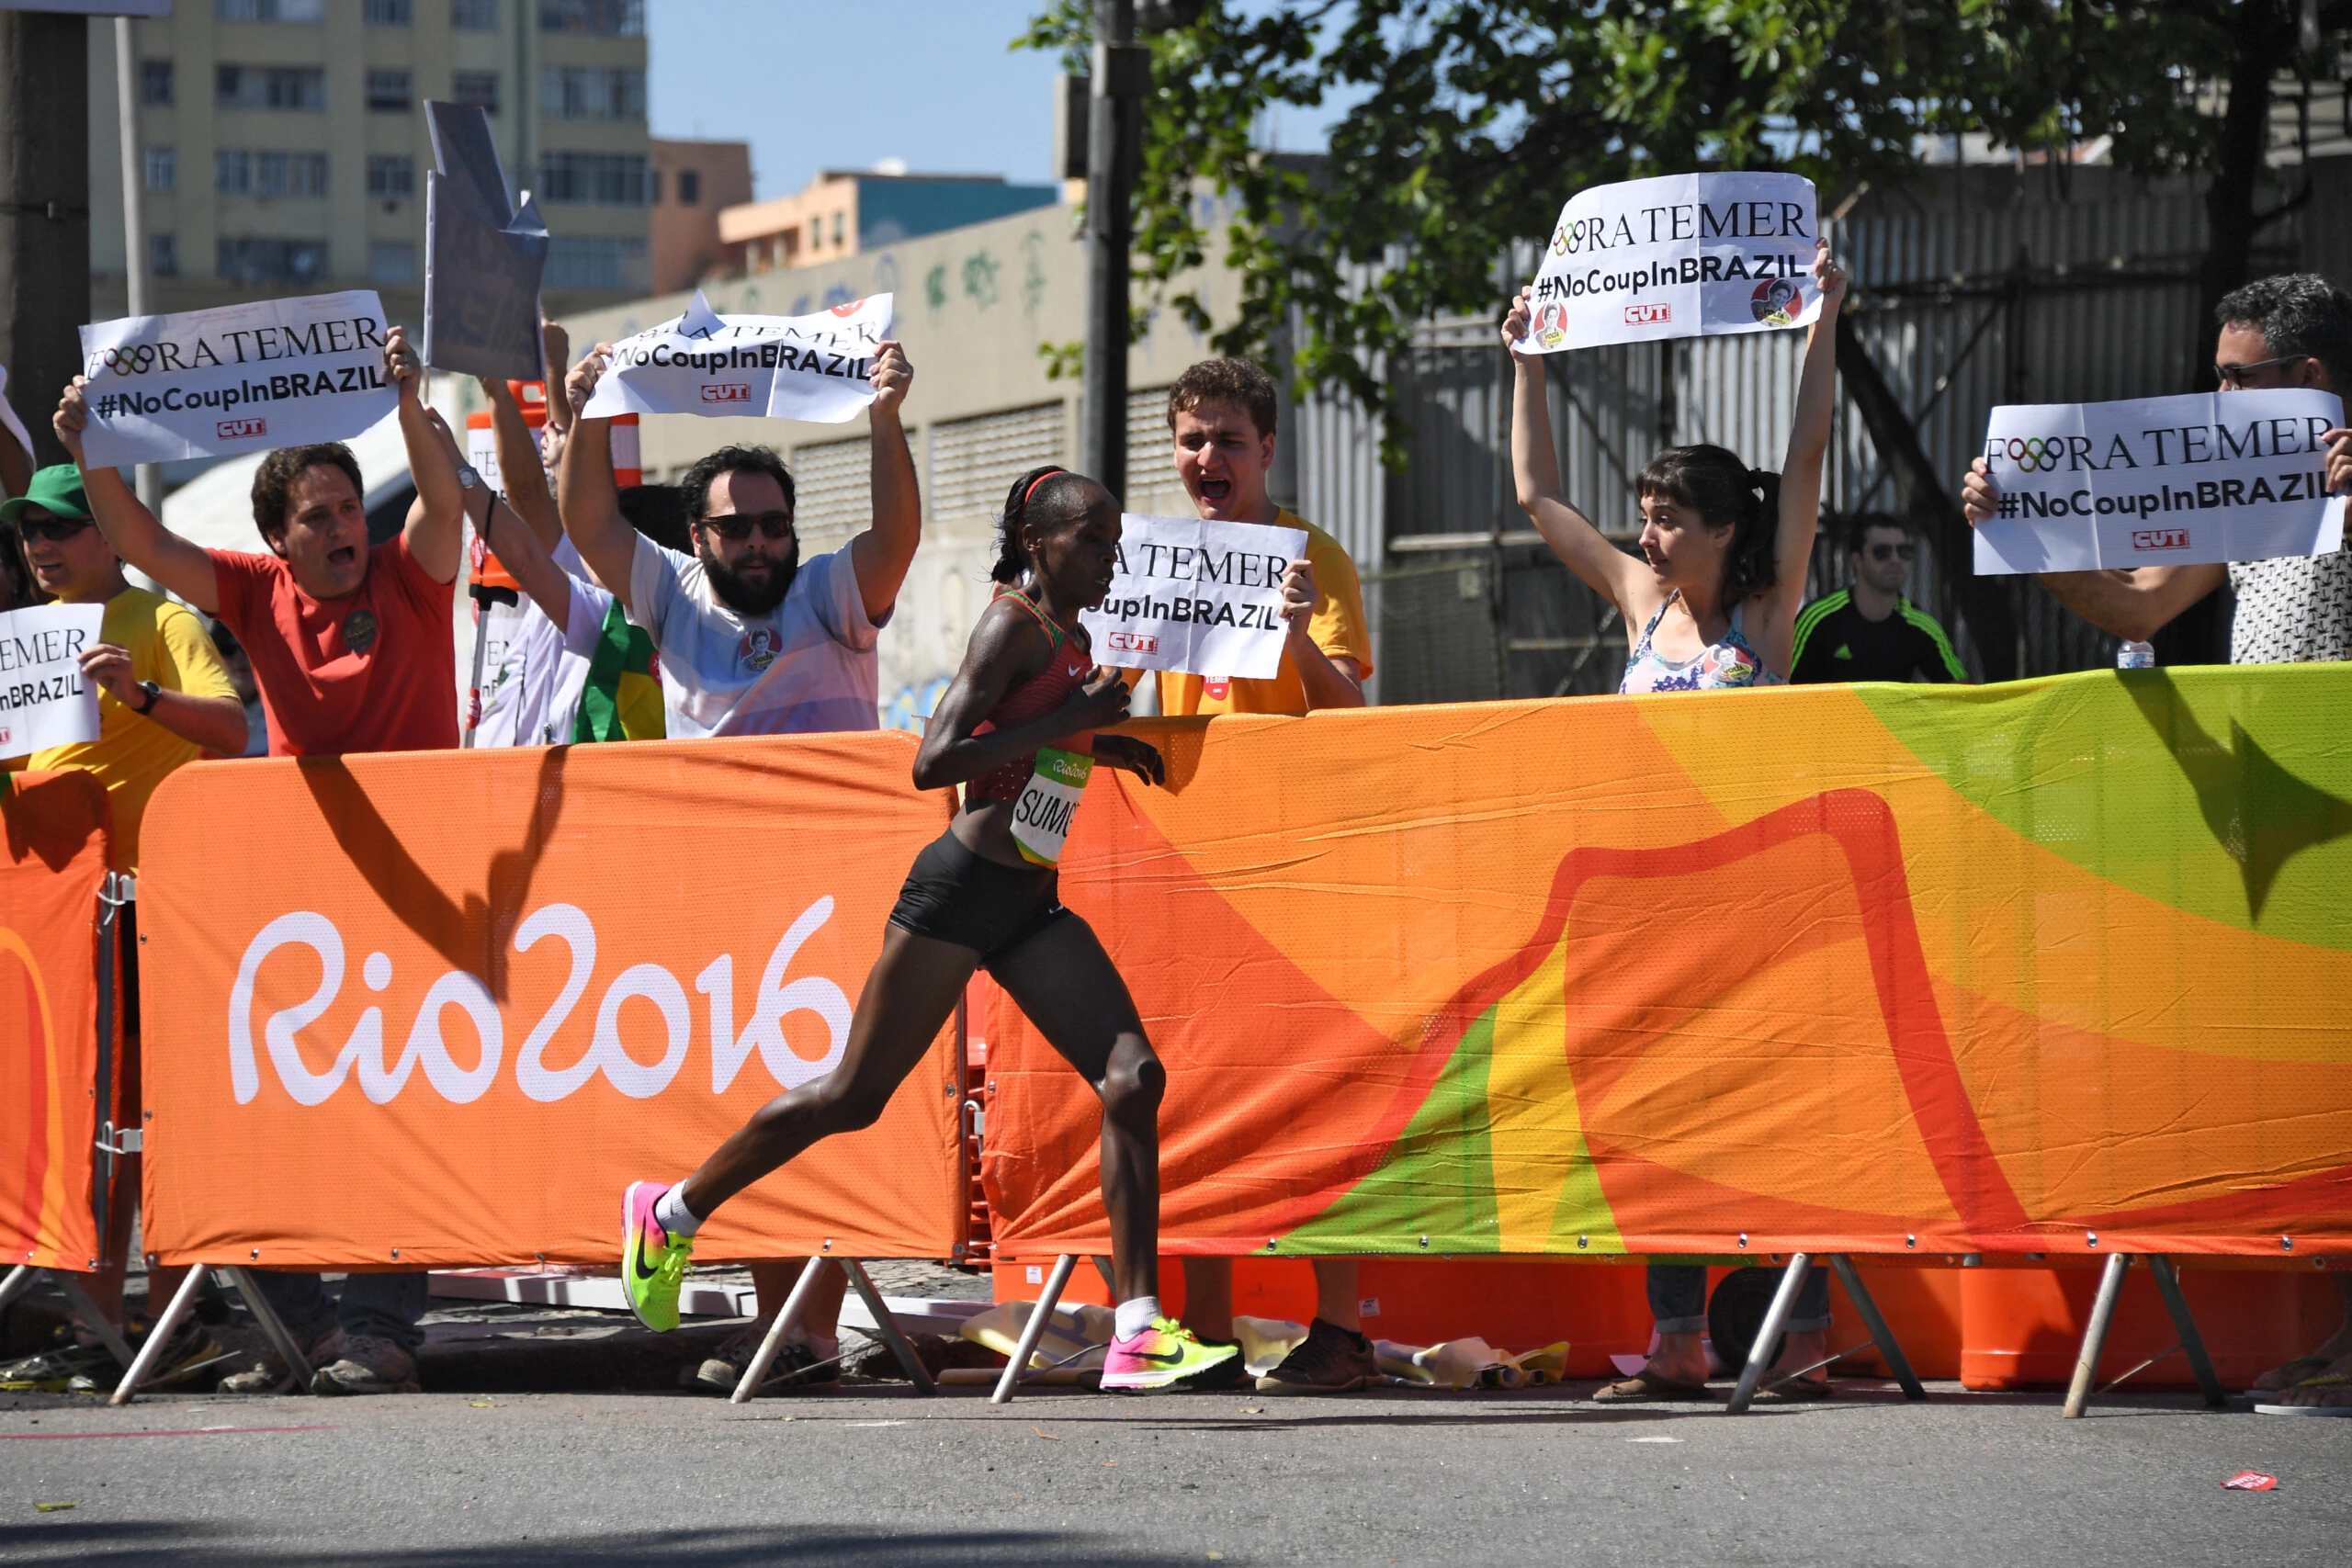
(154,692)
(467,476)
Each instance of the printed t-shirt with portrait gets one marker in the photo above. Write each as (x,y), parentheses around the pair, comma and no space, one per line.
(807,665)
(1337,627)
(133,754)
(373,670)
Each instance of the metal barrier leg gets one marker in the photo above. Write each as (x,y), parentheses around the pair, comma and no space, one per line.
(2192,1344)
(1034,1329)
(787,1320)
(887,1327)
(20,1280)
(2110,1285)
(1881,1336)
(1776,1316)
(87,1311)
(266,1315)
(157,1334)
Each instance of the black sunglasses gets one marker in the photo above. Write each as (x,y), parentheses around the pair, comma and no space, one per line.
(736,526)
(1880,552)
(51,527)
(2234,376)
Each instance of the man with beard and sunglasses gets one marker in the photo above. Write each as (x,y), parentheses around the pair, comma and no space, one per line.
(751,639)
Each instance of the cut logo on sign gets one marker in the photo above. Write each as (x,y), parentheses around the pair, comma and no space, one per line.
(2160,539)
(1134,642)
(728,392)
(1650,315)
(240,429)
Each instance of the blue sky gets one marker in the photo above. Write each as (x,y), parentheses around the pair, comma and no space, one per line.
(816,85)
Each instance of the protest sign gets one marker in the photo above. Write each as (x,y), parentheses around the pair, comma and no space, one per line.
(483,256)
(2160,481)
(234,378)
(1196,597)
(44,700)
(810,367)
(1682,256)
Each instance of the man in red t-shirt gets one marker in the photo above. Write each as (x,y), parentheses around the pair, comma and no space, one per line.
(349,644)
(351,649)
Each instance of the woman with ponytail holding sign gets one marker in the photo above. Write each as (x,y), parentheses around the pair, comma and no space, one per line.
(1710,603)
(1017,729)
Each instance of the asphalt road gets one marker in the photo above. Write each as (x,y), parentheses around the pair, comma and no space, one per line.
(884,1477)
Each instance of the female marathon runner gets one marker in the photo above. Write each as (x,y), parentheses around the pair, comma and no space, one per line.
(1016,728)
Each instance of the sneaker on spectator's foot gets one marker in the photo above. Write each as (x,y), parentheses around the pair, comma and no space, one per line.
(795,1370)
(653,1265)
(266,1371)
(1160,1355)
(1330,1359)
(1230,1373)
(368,1365)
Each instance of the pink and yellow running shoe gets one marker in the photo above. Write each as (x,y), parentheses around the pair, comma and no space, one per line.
(653,1263)
(1162,1354)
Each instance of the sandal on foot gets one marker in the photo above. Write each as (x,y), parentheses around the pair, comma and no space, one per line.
(1645,1387)
(2289,1373)
(1796,1391)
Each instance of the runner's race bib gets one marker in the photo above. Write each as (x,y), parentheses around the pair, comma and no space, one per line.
(1048,802)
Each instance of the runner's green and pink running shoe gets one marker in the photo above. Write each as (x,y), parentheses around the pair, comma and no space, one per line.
(653,1264)
(1160,1355)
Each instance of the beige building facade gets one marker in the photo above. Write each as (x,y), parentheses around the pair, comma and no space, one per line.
(283,146)
(693,183)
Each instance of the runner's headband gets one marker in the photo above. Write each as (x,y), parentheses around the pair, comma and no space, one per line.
(1041,479)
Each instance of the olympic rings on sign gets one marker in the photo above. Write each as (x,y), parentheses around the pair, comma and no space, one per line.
(2035,456)
(127,359)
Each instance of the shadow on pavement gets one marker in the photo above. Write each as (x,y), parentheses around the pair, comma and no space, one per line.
(132,1543)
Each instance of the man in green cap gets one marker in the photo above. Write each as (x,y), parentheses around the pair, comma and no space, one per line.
(165,699)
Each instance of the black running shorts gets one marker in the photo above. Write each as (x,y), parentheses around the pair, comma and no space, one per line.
(955,895)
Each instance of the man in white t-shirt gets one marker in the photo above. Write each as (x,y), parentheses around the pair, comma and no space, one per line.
(753,640)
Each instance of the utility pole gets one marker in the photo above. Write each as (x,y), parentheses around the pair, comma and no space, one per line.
(44,211)
(136,260)
(1113,159)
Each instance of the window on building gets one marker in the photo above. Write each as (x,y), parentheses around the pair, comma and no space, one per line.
(474,15)
(163,254)
(601,179)
(269,10)
(837,228)
(579,91)
(391,177)
(237,172)
(272,261)
(387,92)
(609,18)
(391,13)
(163,168)
(270,86)
(155,82)
(689,188)
(653,187)
(392,260)
(475,89)
(598,262)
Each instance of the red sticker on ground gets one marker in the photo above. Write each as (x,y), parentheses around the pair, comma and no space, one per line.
(2251,1481)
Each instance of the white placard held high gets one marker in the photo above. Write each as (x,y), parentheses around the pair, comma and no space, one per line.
(1196,597)
(2160,481)
(234,378)
(1682,256)
(45,700)
(810,367)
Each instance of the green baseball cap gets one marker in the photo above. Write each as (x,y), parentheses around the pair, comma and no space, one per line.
(56,490)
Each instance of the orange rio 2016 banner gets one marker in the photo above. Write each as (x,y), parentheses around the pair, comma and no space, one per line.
(2053,968)
(438,1008)
(50,869)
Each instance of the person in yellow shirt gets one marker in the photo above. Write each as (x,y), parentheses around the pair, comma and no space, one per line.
(1221,413)
(165,699)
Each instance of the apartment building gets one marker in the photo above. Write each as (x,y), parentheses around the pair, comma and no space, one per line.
(693,183)
(843,212)
(283,143)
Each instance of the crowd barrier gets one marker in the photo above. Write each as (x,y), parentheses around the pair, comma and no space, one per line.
(2062,968)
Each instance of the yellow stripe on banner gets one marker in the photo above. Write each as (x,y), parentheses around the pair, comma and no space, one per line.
(1535,1131)
(52,1185)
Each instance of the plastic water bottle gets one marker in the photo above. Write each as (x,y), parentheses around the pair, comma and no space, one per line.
(2136,656)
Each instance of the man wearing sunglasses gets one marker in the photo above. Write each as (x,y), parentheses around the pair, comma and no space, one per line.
(2294,330)
(1869,631)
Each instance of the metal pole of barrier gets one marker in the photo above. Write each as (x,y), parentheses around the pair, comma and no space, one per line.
(784,1321)
(1776,1317)
(20,1280)
(87,1311)
(157,1335)
(264,1314)
(1881,1336)
(1034,1329)
(2192,1344)
(887,1327)
(2110,1285)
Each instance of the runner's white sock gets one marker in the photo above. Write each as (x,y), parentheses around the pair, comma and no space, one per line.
(670,1211)
(1135,1316)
